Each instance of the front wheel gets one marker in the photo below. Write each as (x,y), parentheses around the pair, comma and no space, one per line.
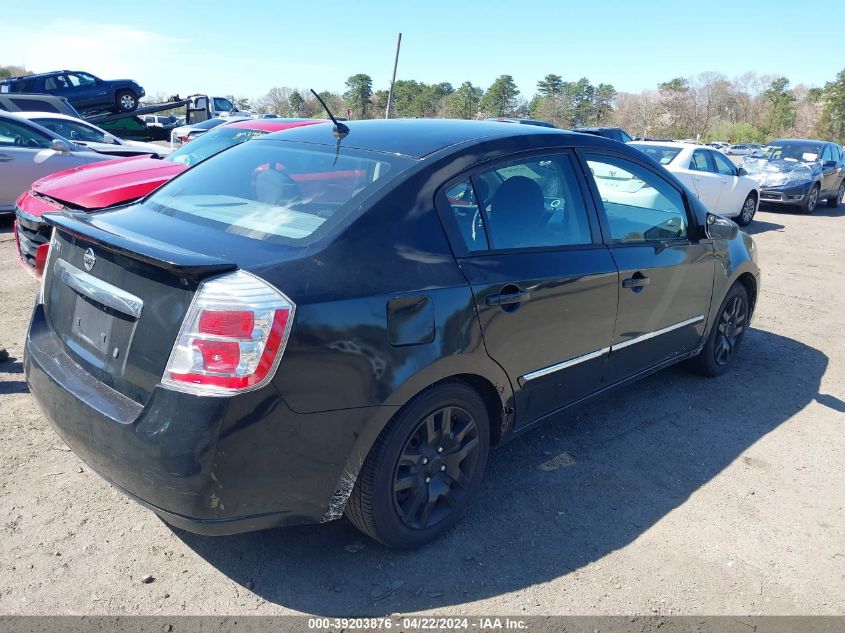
(726,335)
(749,208)
(812,200)
(424,468)
(126,101)
(837,199)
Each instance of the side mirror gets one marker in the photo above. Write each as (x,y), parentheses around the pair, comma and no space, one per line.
(60,146)
(829,164)
(741,171)
(719,228)
(109,139)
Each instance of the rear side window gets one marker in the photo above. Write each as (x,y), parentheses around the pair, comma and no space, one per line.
(275,191)
(532,203)
(33,105)
(699,161)
(467,214)
(659,153)
(640,206)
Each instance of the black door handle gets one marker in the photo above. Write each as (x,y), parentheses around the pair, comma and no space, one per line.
(506,298)
(636,282)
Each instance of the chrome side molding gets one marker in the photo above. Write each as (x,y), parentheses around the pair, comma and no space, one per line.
(545,371)
(665,330)
(99,290)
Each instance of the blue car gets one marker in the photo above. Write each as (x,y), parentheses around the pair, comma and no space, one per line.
(84,91)
(799,172)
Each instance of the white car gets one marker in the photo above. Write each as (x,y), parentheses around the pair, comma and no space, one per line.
(83,133)
(723,187)
(29,152)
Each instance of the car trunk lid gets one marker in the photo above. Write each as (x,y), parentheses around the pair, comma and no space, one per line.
(116,301)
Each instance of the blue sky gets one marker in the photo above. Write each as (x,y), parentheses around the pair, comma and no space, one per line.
(245,48)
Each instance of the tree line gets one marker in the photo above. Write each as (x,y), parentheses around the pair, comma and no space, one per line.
(708,106)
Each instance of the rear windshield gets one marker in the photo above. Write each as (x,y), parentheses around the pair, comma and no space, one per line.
(659,153)
(276,191)
(211,143)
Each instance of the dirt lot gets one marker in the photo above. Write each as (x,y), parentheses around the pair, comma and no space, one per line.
(679,496)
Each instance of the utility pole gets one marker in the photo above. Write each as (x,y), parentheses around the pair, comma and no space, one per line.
(393,80)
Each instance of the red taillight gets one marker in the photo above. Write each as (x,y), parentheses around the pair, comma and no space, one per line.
(237,324)
(184,139)
(219,356)
(41,255)
(233,337)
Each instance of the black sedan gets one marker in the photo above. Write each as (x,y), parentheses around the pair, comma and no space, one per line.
(311,323)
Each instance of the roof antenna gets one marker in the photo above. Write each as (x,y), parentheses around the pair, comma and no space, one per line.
(340,130)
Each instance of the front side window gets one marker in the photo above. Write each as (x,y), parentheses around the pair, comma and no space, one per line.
(223,105)
(640,206)
(625,137)
(276,191)
(724,165)
(533,203)
(14,134)
(827,154)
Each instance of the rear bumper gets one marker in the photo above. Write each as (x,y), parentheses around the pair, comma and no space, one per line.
(208,465)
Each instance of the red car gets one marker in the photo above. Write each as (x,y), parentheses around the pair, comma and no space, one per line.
(121,181)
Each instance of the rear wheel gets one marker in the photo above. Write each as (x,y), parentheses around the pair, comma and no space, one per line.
(749,208)
(726,335)
(836,200)
(126,101)
(812,200)
(424,468)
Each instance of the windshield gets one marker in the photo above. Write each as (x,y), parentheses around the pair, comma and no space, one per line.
(660,153)
(276,191)
(74,131)
(805,152)
(211,143)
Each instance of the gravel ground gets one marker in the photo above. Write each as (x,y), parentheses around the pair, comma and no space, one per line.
(681,495)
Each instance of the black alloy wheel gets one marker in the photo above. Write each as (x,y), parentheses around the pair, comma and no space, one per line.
(729,330)
(436,467)
(726,334)
(837,199)
(812,200)
(424,468)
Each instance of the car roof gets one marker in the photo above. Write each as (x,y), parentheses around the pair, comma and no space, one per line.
(793,141)
(52,115)
(676,144)
(271,125)
(415,138)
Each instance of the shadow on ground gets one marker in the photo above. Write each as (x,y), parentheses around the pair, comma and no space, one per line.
(556,499)
(12,368)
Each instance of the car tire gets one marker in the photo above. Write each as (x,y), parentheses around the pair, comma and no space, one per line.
(126,101)
(728,330)
(836,200)
(812,200)
(749,208)
(416,458)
